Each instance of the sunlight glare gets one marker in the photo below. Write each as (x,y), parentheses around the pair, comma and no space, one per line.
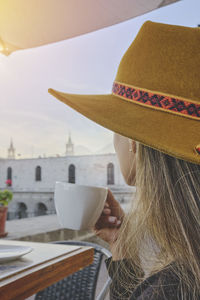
(1,46)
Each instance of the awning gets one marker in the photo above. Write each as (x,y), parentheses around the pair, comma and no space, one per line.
(32,23)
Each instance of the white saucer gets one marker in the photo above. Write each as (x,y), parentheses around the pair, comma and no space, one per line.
(8,252)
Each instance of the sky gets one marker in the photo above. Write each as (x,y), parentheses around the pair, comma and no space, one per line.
(37,122)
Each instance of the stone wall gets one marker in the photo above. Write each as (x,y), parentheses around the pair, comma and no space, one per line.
(89,170)
(46,229)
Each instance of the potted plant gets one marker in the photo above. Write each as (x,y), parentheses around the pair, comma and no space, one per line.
(5,198)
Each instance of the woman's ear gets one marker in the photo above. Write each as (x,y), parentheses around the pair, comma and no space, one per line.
(132,146)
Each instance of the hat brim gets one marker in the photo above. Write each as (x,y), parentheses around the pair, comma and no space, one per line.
(152,127)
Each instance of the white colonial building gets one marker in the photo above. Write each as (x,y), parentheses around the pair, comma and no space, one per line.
(33,180)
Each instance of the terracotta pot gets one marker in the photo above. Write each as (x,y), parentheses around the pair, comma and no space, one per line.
(3,216)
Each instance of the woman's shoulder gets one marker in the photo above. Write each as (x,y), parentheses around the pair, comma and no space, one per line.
(164,284)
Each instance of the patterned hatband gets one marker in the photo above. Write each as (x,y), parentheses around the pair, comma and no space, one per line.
(157,101)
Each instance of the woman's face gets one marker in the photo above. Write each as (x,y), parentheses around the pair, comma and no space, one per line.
(126,149)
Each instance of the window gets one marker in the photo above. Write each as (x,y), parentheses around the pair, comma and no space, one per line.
(110,173)
(9,176)
(71,174)
(38,172)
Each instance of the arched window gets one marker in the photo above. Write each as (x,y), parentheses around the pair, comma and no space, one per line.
(110,173)
(9,173)
(41,209)
(21,211)
(38,173)
(71,174)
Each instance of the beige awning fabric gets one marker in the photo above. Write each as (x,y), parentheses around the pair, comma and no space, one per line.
(32,23)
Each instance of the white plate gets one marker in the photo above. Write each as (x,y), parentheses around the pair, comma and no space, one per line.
(8,252)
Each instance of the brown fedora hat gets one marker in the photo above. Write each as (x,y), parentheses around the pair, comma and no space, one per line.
(156,94)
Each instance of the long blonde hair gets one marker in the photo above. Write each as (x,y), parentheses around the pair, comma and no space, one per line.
(164,216)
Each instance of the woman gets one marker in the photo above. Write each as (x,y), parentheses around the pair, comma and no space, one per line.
(166,209)
(155,104)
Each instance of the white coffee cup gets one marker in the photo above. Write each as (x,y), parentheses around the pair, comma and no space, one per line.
(78,207)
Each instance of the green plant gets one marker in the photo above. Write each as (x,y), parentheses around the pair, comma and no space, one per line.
(5,197)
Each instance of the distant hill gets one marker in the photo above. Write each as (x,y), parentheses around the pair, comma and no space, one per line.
(109,148)
(82,150)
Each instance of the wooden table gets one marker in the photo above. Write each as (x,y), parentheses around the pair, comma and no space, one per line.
(45,265)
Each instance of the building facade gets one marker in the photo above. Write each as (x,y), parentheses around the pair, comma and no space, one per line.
(33,180)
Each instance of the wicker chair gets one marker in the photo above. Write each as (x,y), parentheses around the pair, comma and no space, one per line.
(82,284)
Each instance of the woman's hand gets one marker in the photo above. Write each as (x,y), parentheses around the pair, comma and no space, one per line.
(108,224)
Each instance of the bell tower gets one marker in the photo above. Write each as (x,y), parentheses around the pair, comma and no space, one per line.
(69,146)
(11,150)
